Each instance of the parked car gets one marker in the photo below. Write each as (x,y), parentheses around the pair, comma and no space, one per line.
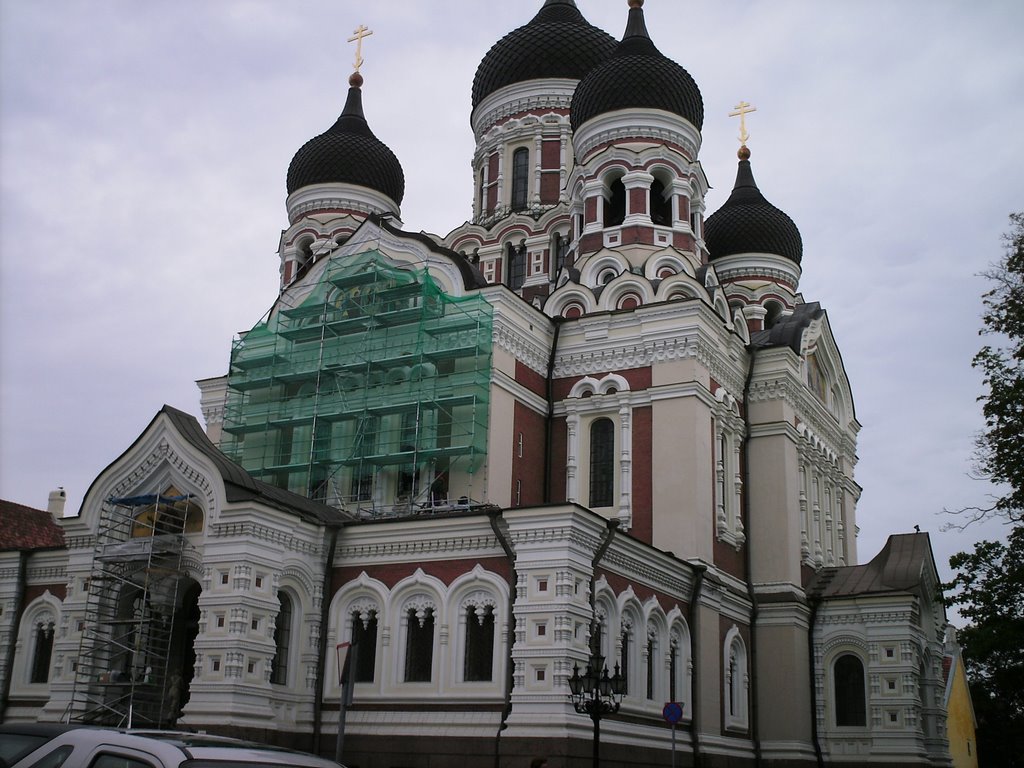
(62,746)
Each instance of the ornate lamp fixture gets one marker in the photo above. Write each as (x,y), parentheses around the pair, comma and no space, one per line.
(597,694)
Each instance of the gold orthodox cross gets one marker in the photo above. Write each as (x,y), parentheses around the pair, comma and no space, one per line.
(357,38)
(742,110)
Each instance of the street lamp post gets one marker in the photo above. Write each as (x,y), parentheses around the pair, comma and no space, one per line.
(596,694)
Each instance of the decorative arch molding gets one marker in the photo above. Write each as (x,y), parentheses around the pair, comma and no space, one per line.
(600,263)
(623,285)
(608,384)
(681,283)
(159,458)
(478,587)
(299,573)
(568,294)
(362,591)
(668,259)
(416,591)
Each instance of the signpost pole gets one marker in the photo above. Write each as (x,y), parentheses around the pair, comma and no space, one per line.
(673,712)
(346,652)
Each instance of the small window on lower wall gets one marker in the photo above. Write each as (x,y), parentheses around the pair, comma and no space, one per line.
(848,689)
(419,647)
(479,643)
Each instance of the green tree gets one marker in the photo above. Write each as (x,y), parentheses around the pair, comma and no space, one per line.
(989,590)
(1000,448)
(988,587)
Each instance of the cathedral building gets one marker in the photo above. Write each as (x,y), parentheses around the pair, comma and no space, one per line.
(595,420)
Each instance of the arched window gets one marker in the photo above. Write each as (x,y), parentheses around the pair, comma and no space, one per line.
(615,204)
(735,681)
(479,643)
(282,640)
(626,637)
(419,645)
(602,463)
(364,638)
(42,650)
(673,671)
(572,311)
(516,268)
(661,204)
(848,688)
(652,654)
(520,179)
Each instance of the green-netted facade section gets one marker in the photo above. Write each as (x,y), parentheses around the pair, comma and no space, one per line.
(371,395)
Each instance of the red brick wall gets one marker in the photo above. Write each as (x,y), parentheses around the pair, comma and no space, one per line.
(638,378)
(637,201)
(559,446)
(530,379)
(528,469)
(643,505)
(550,186)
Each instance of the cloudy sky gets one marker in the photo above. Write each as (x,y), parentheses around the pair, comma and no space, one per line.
(144,150)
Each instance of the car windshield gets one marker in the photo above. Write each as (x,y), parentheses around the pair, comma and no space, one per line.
(14,746)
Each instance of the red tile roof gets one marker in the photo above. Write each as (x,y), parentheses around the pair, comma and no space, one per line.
(23,527)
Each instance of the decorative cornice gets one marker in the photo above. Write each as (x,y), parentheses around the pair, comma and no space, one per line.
(622,126)
(252,530)
(521,98)
(418,547)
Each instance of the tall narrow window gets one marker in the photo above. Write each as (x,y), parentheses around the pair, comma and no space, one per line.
(650,667)
(661,205)
(624,660)
(520,178)
(364,638)
(419,648)
(602,463)
(42,652)
(516,258)
(673,672)
(282,641)
(734,689)
(615,205)
(479,643)
(848,677)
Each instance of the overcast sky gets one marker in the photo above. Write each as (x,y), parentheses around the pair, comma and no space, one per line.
(144,150)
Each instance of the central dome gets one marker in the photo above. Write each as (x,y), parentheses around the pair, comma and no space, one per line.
(557,43)
(638,76)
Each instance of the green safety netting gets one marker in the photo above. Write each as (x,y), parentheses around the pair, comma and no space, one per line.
(370,395)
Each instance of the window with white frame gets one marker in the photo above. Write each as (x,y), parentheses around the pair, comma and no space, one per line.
(599,429)
(848,691)
(282,639)
(364,640)
(728,479)
(478,664)
(42,647)
(602,463)
(735,680)
(419,643)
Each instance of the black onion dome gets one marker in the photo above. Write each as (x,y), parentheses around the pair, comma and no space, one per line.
(558,42)
(638,76)
(348,153)
(747,223)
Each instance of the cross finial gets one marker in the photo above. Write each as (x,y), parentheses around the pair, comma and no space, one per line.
(357,38)
(742,110)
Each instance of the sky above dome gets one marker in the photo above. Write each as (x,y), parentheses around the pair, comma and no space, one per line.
(144,146)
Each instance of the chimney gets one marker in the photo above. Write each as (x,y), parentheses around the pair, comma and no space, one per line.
(55,504)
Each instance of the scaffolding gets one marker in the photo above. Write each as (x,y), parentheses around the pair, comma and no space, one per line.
(127,673)
(370,395)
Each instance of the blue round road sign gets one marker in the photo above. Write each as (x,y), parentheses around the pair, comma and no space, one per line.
(673,712)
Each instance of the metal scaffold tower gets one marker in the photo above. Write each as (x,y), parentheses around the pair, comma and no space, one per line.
(125,673)
(371,394)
